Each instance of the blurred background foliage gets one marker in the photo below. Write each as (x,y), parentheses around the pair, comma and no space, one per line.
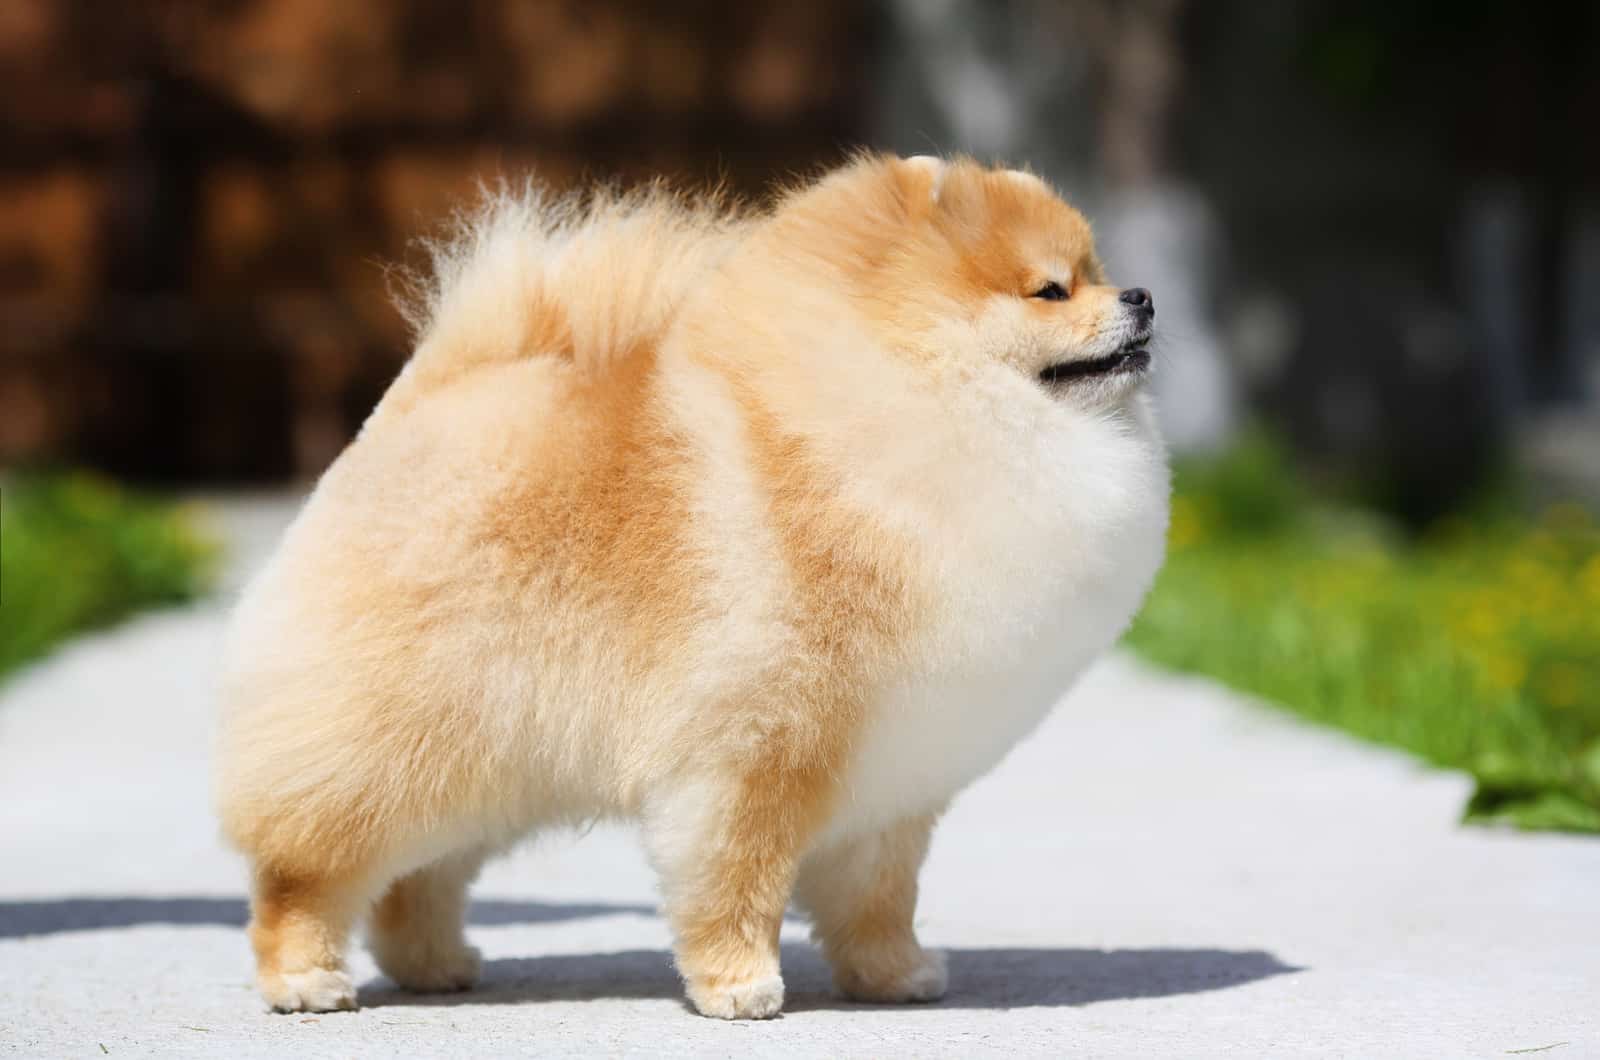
(78,551)
(1372,230)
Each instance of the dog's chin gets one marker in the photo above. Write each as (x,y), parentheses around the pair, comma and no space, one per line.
(1126,365)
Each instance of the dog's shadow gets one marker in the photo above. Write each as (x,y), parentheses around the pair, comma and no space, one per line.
(49,916)
(999,978)
(979,978)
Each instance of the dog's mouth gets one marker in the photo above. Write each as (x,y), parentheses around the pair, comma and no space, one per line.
(1131,357)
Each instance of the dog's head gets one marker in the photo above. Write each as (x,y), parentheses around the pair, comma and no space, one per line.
(962,263)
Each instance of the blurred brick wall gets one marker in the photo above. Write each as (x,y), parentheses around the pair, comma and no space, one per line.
(196,198)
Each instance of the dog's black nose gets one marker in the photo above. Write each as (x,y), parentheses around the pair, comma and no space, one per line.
(1139,298)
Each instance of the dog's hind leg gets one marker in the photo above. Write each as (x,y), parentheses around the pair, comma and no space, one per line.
(417,933)
(862,895)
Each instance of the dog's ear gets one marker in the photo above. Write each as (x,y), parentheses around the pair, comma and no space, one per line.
(916,183)
(949,192)
(963,200)
(925,177)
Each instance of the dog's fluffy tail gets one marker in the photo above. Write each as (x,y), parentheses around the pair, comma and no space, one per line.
(593,279)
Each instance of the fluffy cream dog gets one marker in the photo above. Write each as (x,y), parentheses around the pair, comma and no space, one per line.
(771,532)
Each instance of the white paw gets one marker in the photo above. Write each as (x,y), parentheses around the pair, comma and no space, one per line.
(926,980)
(430,971)
(753,999)
(314,990)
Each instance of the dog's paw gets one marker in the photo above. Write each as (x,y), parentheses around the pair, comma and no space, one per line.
(313,990)
(922,978)
(752,999)
(431,970)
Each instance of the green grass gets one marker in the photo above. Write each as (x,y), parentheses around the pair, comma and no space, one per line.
(78,552)
(1475,646)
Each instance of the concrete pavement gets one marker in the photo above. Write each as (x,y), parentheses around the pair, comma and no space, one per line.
(1164,869)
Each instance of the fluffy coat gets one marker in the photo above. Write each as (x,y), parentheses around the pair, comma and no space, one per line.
(766,531)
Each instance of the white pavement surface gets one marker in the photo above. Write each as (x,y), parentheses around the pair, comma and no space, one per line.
(1164,869)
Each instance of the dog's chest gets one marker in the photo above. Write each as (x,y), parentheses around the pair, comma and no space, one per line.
(1035,593)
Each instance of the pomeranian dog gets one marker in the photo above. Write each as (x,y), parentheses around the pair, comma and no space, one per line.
(769,531)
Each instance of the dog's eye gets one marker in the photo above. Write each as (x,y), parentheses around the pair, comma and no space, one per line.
(1051,292)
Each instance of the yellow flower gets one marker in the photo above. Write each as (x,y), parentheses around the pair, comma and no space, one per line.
(1560,684)
(1505,670)
(1484,619)
(1186,528)
(1589,577)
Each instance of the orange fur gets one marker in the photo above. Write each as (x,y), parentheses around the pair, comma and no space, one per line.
(693,518)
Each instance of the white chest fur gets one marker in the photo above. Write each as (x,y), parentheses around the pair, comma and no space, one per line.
(1047,546)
